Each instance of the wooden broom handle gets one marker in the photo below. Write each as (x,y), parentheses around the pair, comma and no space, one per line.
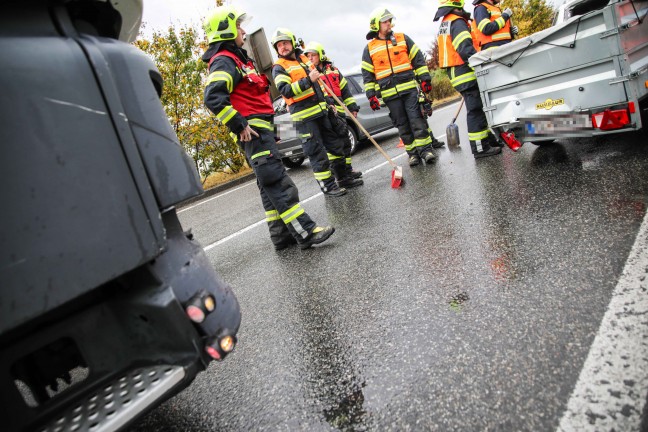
(329,91)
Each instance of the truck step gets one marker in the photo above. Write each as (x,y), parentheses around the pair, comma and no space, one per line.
(116,403)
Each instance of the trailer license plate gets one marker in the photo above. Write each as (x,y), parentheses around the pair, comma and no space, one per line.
(557,125)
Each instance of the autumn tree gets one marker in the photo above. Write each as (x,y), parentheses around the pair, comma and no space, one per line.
(177,54)
(531,16)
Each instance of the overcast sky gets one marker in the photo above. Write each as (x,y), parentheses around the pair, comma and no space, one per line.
(341,26)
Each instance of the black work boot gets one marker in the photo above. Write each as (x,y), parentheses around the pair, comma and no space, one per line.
(284,243)
(353,174)
(350,182)
(437,143)
(490,151)
(335,191)
(414,160)
(429,157)
(317,236)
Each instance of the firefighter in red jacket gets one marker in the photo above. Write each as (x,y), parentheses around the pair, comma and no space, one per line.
(491,27)
(455,48)
(391,66)
(297,81)
(238,95)
(339,85)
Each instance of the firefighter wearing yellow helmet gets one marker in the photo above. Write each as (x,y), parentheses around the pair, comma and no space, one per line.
(455,48)
(298,82)
(338,84)
(393,67)
(238,96)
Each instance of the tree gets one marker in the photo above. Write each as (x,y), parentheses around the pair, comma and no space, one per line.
(530,16)
(177,54)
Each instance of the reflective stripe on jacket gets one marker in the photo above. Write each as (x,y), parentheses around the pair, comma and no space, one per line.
(304,100)
(250,96)
(391,66)
(490,26)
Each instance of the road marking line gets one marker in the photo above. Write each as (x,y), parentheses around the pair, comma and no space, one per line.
(611,390)
(217,196)
(261,222)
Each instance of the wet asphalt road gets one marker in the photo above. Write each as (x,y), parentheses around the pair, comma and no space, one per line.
(466,300)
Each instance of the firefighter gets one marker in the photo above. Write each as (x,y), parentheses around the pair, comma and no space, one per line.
(239,97)
(297,81)
(491,27)
(391,65)
(455,47)
(338,84)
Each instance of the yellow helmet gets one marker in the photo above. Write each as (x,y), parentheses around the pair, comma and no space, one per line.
(283,34)
(220,23)
(377,16)
(451,3)
(317,48)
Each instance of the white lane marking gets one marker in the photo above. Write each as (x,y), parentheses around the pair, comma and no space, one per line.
(217,196)
(261,222)
(611,390)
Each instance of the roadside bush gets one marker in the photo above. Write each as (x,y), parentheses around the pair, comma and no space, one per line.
(441,87)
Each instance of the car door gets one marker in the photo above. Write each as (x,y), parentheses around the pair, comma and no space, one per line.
(371,120)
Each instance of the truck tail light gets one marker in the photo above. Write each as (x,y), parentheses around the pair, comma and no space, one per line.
(218,348)
(199,306)
(611,119)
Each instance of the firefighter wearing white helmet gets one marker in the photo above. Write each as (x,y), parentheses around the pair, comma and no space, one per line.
(393,67)
(491,27)
(334,79)
(239,97)
(298,82)
(455,48)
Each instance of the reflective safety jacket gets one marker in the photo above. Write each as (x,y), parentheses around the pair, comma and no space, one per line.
(236,92)
(305,101)
(339,85)
(455,48)
(392,66)
(490,28)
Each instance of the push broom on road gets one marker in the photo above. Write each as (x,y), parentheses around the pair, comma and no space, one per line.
(397,171)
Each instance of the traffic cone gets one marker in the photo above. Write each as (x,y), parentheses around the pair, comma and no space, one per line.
(400,144)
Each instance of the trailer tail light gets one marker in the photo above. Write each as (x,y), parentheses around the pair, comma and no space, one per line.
(199,306)
(227,344)
(610,119)
(511,141)
(213,353)
(631,107)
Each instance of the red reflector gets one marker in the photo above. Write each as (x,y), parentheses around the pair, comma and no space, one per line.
(213,352)
(631,108)
(609,120)
(195,314)
(509,139)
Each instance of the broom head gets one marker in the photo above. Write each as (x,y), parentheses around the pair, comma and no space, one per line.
(397,177)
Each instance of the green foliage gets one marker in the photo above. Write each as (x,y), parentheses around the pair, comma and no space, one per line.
(531,16)
(177,54)
(441,87)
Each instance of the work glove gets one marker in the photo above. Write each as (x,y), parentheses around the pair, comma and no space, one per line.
(507,13)
(374,103)
(514,30)
(426,86)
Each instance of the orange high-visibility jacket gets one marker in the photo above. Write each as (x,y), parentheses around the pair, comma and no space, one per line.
(504,33)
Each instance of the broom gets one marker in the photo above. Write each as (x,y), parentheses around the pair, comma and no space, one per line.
(452,131)
(397,171)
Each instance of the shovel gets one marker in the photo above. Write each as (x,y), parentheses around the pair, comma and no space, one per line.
(452,131)
(397,171)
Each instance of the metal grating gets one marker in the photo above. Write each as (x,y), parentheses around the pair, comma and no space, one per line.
(114,405)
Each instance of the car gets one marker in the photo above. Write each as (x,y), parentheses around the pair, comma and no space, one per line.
(373,121)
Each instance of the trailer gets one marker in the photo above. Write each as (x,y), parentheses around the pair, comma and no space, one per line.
(587,75)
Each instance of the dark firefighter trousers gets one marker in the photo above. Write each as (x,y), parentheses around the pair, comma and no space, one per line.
(405,113)
(279,195)
(476,119)
(341,128)
(324,149)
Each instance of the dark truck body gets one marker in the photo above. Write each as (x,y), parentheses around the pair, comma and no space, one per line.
(95,268)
